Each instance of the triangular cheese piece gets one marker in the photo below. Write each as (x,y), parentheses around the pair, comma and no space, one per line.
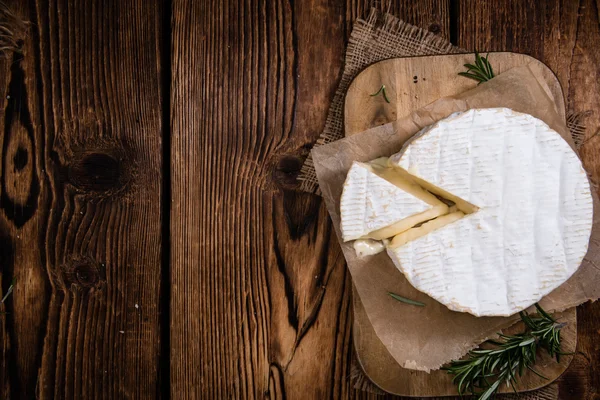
(379,203)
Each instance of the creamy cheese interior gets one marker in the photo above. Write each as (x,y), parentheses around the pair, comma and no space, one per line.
(403,180)
(429,226)
(461,204)
(415,226)
(368,247)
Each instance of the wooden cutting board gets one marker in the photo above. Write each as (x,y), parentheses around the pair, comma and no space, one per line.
(412,83)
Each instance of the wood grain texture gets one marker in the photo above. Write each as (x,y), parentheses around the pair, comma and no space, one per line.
(413,83)
(252,266)
(260,293)
(80,202)
(565,36)
(22,195)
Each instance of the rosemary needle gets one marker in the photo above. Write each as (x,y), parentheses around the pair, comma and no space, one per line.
(9,291)
(382,91)
(405,300)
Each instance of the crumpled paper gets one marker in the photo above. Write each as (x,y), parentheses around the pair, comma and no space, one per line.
(425,338)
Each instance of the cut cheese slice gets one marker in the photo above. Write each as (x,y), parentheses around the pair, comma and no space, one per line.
(429,226)
(402,179)
(379,203)
(530,204)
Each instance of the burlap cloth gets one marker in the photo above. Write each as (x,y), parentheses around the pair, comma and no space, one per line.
(379,37)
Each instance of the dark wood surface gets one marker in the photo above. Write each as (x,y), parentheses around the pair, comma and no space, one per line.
(81,201)
(149,150)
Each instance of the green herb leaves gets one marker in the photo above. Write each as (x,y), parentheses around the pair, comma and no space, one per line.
(382,91)
(482,372)
(405,300)
(482,70)
(547,330)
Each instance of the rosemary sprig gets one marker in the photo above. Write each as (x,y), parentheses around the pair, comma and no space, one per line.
(9,291)
(481,71)
(382,91)
(484,370)
(405,300)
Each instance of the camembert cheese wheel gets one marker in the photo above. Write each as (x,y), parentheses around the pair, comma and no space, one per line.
(524,219)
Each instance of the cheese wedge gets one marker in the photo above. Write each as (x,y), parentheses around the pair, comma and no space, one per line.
(530,209)
(379,202)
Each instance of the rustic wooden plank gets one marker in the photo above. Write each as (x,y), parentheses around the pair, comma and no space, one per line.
(564,35)
(260,293)
(21,334)
(245,298)
(80,201)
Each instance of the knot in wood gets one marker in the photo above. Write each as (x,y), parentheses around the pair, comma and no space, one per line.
(20,158)
(287,169)
(435,28)
(95,172)
(83,273)
(101,172)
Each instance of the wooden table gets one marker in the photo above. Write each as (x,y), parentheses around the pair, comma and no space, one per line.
(149,155)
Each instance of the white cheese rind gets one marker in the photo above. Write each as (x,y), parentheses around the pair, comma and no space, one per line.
(370,203)
(533,224)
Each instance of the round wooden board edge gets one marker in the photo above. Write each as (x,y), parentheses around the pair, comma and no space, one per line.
(565,362)
(547,70)
(562,110)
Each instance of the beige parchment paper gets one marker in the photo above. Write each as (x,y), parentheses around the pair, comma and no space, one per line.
(424,338)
